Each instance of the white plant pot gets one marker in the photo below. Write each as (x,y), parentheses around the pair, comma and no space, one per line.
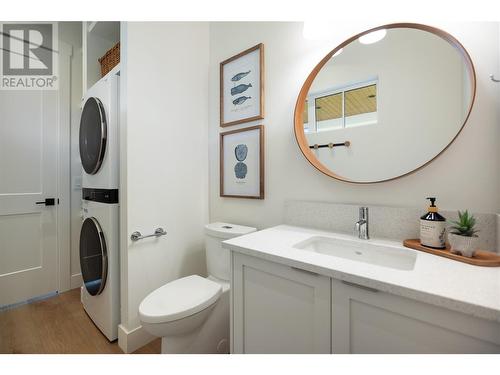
(463,245)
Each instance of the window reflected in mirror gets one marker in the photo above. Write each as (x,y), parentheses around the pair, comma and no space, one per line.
(328,112)
(361,106)
(305,118)
(338,109)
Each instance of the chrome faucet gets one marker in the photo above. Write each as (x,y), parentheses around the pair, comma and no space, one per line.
(361,226)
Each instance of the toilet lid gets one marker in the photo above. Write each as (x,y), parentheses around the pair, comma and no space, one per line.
(178,299)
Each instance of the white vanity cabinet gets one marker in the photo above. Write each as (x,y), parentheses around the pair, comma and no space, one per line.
(278,309)
(365,320)
(281,309)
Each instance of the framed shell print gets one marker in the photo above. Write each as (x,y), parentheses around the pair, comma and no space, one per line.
(242,163)
(242,87)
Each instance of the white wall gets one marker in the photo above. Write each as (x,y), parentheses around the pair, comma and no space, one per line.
(71,33)
(164,176)
(465,176)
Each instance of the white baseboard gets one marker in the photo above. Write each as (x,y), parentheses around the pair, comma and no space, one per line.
(76,281)
(130,341)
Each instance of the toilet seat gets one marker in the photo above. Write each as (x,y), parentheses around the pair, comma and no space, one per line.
(179,299)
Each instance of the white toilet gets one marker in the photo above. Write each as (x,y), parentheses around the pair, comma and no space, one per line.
(191,314)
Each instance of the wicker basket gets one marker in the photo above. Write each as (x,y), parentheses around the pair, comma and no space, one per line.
(110,59)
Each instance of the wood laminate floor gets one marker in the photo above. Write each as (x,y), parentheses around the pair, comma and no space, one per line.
(57,325)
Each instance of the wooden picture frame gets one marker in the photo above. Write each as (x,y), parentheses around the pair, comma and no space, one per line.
(241,163)
(242,87)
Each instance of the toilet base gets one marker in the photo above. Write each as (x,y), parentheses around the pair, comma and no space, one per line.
(178,344)
(211,338)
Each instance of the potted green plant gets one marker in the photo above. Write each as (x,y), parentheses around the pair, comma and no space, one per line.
(462,235)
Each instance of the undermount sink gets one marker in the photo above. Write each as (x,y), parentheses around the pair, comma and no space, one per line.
(361,251)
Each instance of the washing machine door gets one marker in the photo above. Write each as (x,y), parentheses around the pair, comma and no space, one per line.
(93,256)
(93,135)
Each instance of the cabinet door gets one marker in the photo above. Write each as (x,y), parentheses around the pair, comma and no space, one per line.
(278,309)
(370,321)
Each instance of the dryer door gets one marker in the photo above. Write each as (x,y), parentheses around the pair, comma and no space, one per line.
(93,135)
(93,256)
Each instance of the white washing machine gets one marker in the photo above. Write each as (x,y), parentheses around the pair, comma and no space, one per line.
(99,235)
(99,262)
(99,147)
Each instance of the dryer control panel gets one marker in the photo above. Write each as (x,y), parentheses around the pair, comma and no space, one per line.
(100,195)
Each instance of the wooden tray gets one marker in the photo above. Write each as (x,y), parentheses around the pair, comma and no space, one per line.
(481,257)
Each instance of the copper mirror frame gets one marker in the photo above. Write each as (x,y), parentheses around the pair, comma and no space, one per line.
(299,106)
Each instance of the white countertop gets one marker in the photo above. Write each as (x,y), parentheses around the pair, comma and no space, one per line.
(435,280)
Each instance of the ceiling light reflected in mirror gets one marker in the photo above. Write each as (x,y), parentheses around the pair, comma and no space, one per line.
(373,37)
(338,52)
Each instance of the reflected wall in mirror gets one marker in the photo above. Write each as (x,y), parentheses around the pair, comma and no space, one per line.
(385,103)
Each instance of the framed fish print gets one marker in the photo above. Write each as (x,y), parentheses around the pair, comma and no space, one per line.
(242,87)
(242,163)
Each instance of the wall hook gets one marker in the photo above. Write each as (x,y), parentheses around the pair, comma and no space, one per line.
(493,78)
(331,145)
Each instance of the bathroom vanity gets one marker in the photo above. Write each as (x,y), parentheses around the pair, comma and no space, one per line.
(299,290)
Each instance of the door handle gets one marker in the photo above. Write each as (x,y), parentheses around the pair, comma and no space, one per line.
(48,202)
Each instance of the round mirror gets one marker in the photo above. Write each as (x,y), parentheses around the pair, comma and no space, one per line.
(385,103)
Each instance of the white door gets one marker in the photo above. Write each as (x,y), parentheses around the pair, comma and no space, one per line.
(28,175)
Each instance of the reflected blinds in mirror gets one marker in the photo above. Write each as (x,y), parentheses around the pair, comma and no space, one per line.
(361,100)
(329,107)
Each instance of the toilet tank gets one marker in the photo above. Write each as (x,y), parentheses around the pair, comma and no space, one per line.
(217,257)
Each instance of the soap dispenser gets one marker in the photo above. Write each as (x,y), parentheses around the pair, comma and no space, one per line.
(433,227)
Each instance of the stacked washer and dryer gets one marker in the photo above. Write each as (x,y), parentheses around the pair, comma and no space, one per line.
(99,236)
